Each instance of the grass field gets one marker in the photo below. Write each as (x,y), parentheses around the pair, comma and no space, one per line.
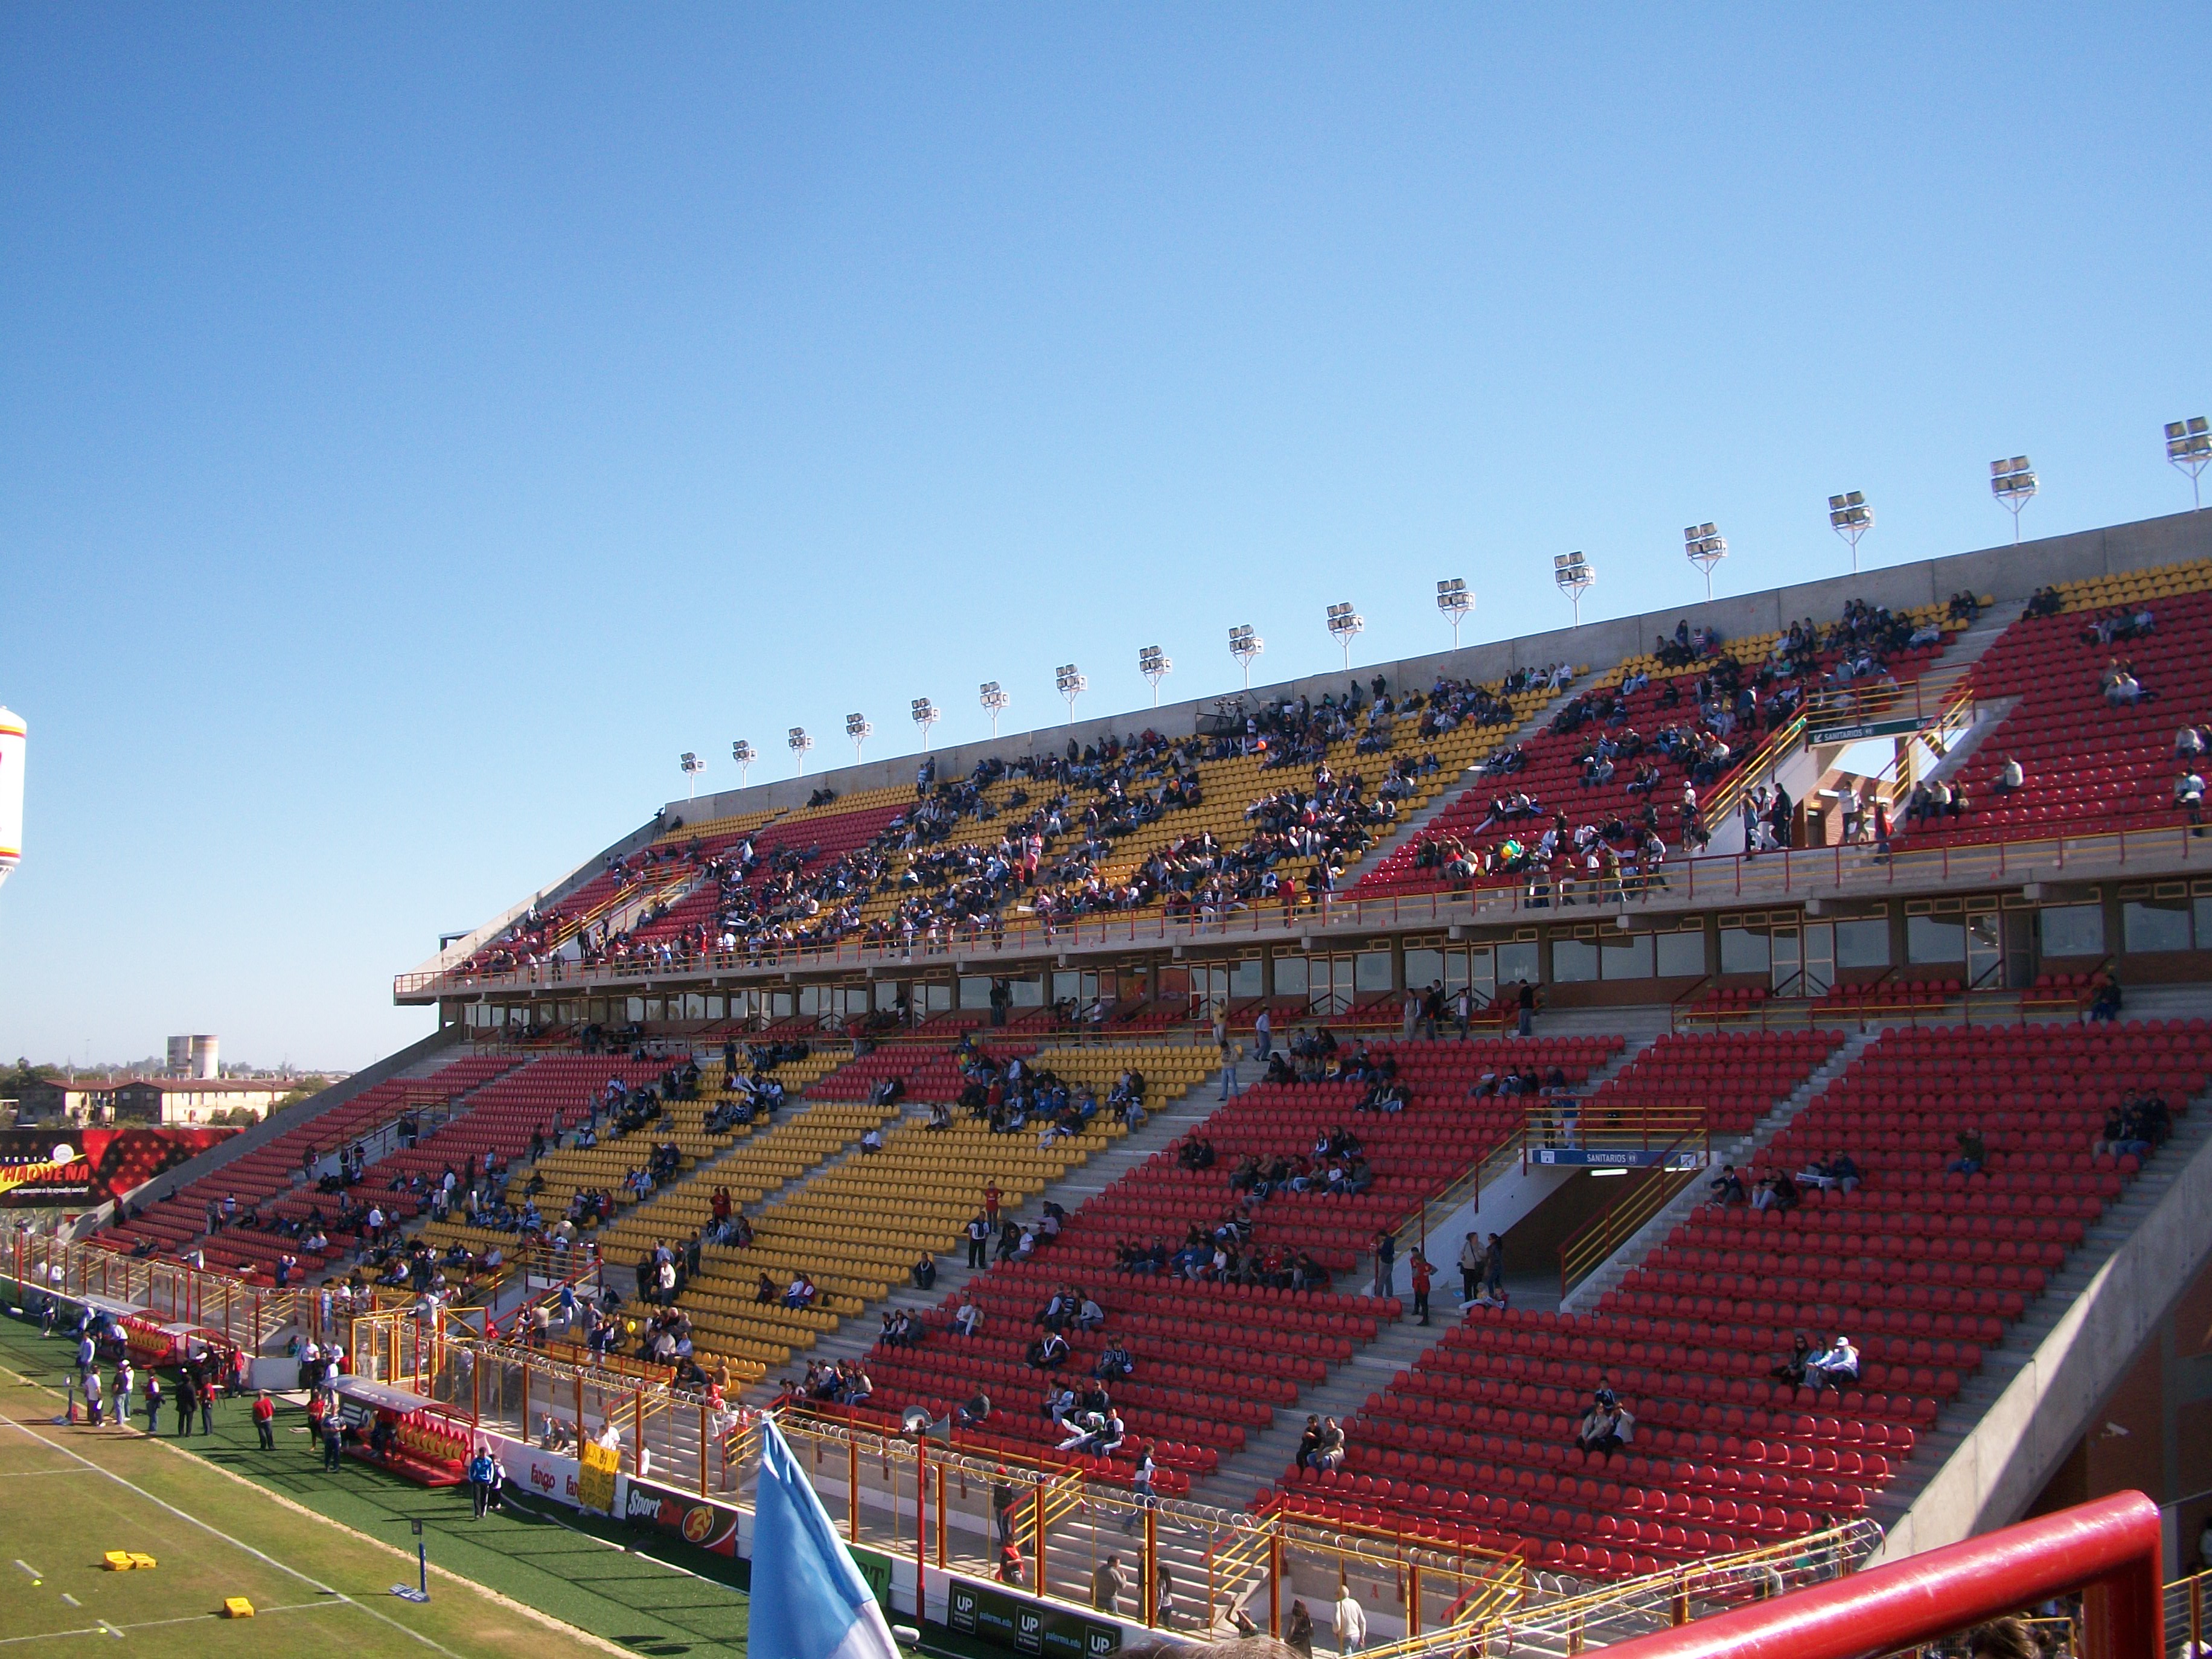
(223,1518)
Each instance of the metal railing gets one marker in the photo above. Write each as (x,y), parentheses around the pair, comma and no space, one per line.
(246,1317)
(2154,845)
(1650,1189)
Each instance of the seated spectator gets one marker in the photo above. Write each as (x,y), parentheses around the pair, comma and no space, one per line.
(1836,1366)
(1973,1153)
(800,1293)
(1309,1442)
(2189,796)
(975,1411)
(2010,777)
(1792,1370)
(968,1318)
(1727,1188)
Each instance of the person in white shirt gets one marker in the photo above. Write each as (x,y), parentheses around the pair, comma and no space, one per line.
(1836,1366)
(1351,1623)
(2010,776)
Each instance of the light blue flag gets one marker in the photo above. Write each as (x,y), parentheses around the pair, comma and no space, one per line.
(809,1601)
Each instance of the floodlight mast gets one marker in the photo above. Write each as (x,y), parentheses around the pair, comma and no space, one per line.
(2013,483)
(1345,625)
(925,716)
(1850,517)
(2188,446)
(1704,549)
(1153,663)
(1574,576)
(858,729)
(1244,645)
(744,754)
(995,703)
(693,766)
(1072,684)
(799,743)
(1454,600)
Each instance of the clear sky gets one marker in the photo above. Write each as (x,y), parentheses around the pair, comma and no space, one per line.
(418,424)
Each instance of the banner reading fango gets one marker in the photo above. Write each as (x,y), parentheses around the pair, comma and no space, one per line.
(77,1169)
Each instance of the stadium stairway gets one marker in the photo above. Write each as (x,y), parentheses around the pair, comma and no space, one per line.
(854,1337)
(1414,824)
(1742,1151)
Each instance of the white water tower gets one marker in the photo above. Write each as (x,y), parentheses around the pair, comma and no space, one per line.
(193,1056)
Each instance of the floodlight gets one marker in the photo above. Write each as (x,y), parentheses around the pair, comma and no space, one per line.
(799,743)
(1574,576)
(2012,483)
(693,766)
(925,716)
(1153,663)
(858,729)
(995,701)
(2188,446)
(1244,645)
(1455,602)
(1344,626)
(1072,684)
(1704,549)
(1850,517)
(744,754)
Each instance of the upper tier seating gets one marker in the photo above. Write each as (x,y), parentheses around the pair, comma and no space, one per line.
(1920,1267)
(258,1178)
(2087,765)
(1734,1077)
(1552,771)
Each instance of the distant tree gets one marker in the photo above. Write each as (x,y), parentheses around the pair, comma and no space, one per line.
(307,1088)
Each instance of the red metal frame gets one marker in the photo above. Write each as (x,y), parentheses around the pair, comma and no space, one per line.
(2110,1548)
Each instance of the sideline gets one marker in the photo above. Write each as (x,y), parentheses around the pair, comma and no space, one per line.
(312,1583)
(485,1590)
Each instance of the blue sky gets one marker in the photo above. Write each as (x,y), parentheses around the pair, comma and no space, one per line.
(418,424)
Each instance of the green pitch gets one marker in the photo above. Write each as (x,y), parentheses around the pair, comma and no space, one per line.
(69,1494)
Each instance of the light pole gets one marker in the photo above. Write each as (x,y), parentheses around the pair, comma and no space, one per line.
(799,743)
(2012,483)
(1454,600)
(995,703)
(1344,626)
(1573,575)
(1072,684)
(693,766)
(1704,549)
(858,729)
(744,754)
(1850,517)
(925,716)
(1244,645)
(2188,446)
(1153,663)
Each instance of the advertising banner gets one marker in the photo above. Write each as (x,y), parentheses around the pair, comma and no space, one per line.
(595,1479)
(541,1474)
(77,1169)
(698,1521)
(1024,1625)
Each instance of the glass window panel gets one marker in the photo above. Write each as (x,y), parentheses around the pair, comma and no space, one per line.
(1244,979)
(1681,955)
(1290,977)
(1934,939)
(1029,993)
(974,990)
(1573,961)
(1425,967)
(1743,951)
(1517,962)
(1863,942)
(2154,925)
(2072,930)
(1625,955)
(1371,971)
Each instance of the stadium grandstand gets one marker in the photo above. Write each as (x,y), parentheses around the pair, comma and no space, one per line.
(1546,1141)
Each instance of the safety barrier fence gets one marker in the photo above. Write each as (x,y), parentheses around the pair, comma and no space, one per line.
(244,1316)
(1856,869)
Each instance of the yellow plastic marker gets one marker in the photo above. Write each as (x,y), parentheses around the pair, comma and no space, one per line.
(118,1560)
(237,1607)
(142,1562)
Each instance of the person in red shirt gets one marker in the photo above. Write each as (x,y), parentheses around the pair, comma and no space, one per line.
(264,1415)
(991,1204)
(1423,1270)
